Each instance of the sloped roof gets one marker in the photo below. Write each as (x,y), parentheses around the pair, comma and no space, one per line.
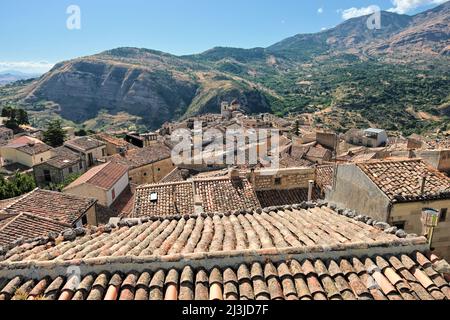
(400,180)
(313,254)
(136,158)
(104,176)
(27,226)
(84,143)
(56,206)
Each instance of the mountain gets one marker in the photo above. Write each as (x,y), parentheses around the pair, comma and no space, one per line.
(396,77)
(10,76)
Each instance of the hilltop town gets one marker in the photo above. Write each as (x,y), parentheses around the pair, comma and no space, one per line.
(360,215)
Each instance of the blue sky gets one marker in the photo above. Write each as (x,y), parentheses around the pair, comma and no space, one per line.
(33,34)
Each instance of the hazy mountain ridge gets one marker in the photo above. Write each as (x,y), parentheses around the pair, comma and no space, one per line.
(304,73)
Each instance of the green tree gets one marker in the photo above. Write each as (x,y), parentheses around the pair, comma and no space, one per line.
(16,185)
(22,117)
(297,128)
(55,135)
(60,187)
(16,117)
(6,112)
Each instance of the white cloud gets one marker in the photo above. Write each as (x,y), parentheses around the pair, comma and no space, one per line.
(358,12)
(404,6)
(320,10)
(26,66)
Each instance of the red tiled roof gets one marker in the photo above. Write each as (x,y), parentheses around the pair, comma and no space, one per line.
(313,254)
(228,233)
(324,176)
(34,149)
(104,176)
(60,207)
(400,180)
(27,226)
(270,198)
(395,277)
(172,199)
(224,194)
(84,143)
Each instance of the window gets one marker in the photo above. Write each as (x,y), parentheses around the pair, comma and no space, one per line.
(84,220)
(47,176)
(70,170)
(80,165)
(104,152)
(399,224)
(145,174)
(154,197)
(159,169)
(277,181)
(42,159)
(113,193)
(443,216)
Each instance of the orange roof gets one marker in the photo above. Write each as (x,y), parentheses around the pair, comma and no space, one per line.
(104,176)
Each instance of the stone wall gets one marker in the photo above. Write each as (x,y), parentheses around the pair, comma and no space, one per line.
(282,179)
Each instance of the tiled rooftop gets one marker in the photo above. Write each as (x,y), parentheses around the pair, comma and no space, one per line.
(84,143)
(172,199)
(34,149)
(136,158)
(391,277)
(324,176)
(104,176)
(26,226)
(224,194)
(216,194)
(112,140)
(269,198)
(62,208)
(262,230)
(288,252)
(176,175)
(64,157)
(400,180)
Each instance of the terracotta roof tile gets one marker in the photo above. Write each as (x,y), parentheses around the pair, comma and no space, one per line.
(59,207)
(26,226)
(104,176)
(270,198)
(84,143)
(136,158)
(400,180)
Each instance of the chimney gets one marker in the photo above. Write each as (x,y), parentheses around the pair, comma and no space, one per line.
(423,181)
(310,189)
(252,176)
(123,151)
(198,202)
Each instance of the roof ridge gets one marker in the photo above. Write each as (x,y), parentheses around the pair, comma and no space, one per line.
(144,186)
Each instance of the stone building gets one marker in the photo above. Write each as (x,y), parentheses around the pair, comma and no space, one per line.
(63,163)
(396,192)
(105,183)
(146,165)
(39,212)
(91,150)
